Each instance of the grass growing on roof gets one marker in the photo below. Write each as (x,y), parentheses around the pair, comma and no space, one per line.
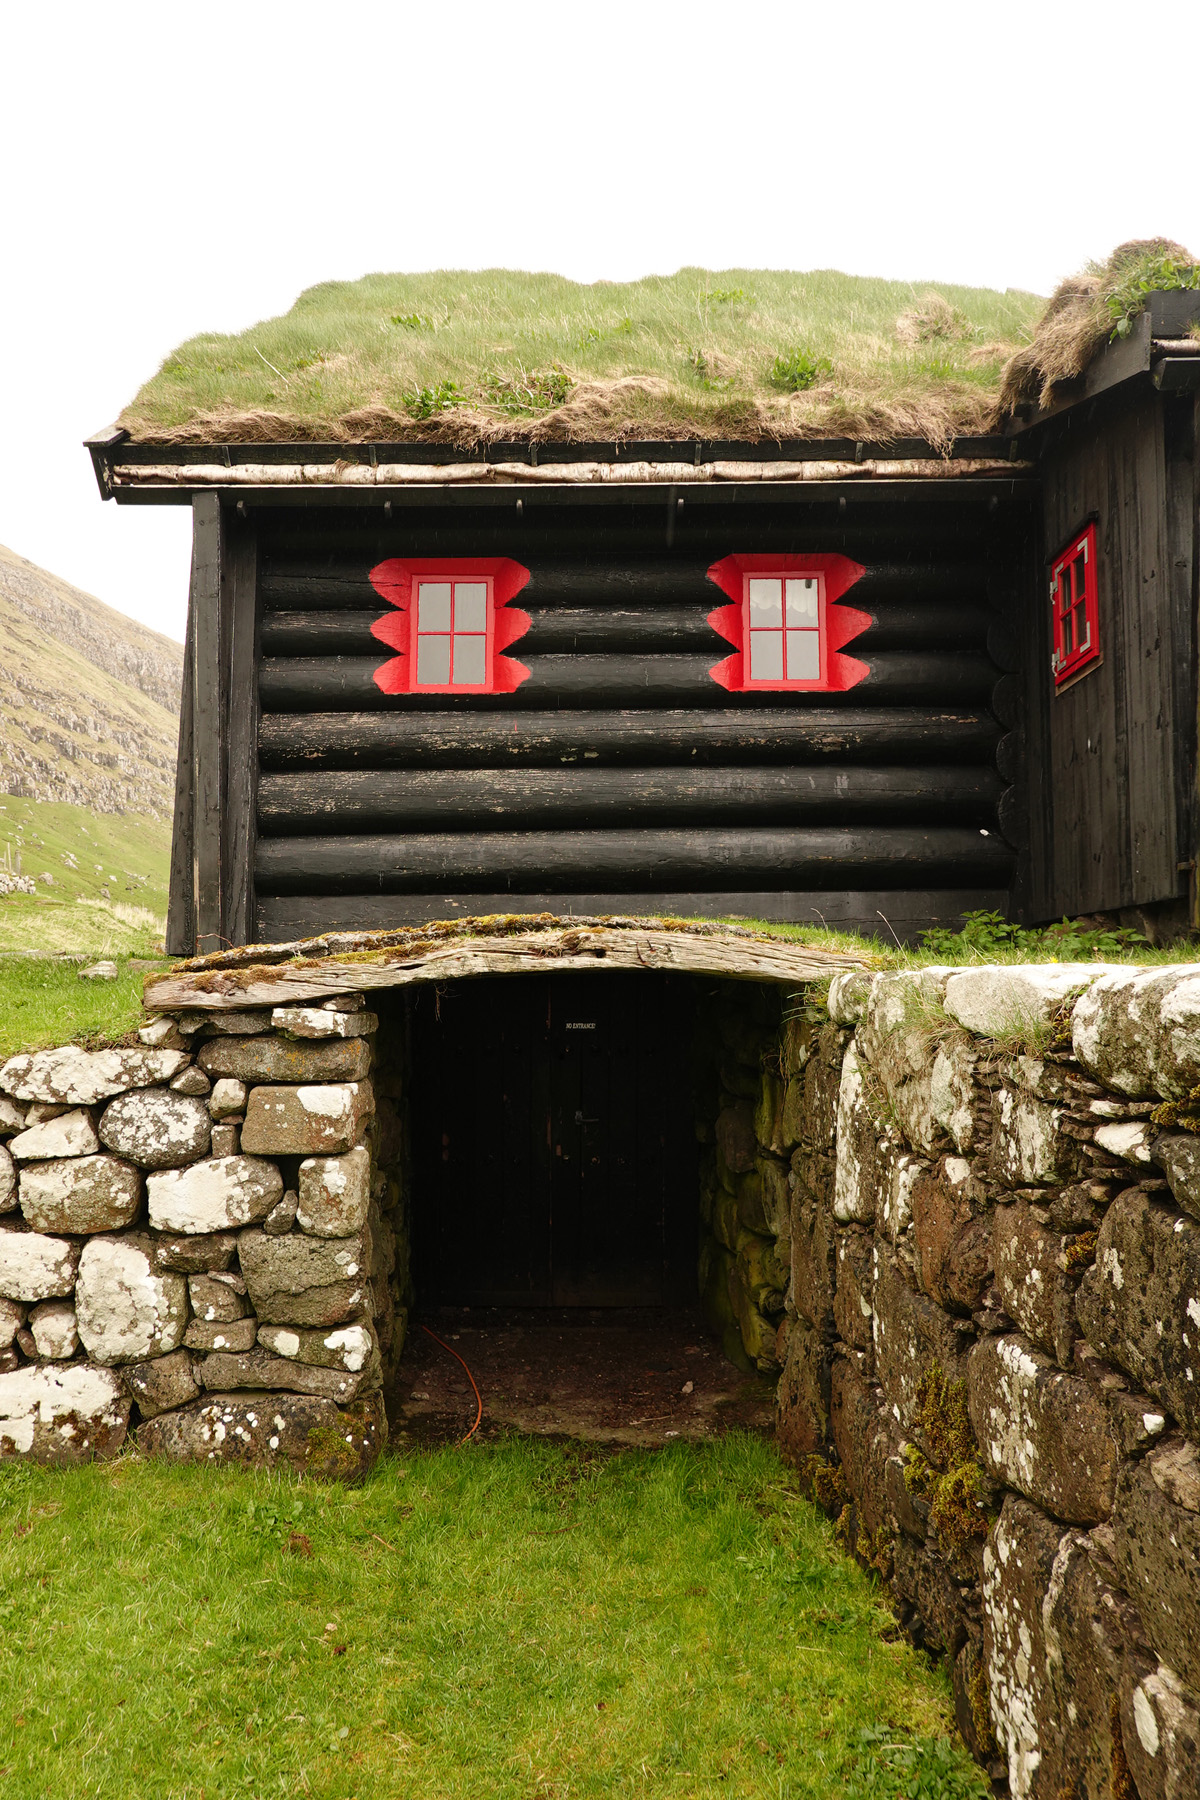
(743,353)
(517,1618)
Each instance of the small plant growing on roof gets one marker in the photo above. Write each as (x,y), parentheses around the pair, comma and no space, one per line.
(530,391)
(799,369)
(933,320)
(414,321)
(1161,269)
(424,402)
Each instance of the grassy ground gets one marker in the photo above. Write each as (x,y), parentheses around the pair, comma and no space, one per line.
(43,1002)
(108,888)
(514,1620)
(987,938)
(736,352)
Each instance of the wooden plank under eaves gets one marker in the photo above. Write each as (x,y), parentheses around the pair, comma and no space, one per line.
(207,723)
(240,631)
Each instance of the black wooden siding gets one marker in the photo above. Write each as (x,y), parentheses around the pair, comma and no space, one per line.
(619,774)
(1111,810)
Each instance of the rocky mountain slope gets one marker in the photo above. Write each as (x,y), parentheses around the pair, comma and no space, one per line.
(88,699)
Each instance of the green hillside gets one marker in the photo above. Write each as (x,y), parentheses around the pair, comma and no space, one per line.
(733,352)
(100,879)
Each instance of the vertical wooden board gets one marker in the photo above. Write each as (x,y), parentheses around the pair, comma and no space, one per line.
(240,632)
(207,722)
(1146,718)
(1182,529)
(181,898)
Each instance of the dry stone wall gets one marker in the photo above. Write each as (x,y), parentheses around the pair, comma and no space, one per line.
(198,1244)
(991,1346)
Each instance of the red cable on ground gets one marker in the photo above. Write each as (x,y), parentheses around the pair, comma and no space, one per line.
(470,1378)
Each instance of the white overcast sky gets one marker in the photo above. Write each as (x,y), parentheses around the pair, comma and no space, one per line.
(169,169)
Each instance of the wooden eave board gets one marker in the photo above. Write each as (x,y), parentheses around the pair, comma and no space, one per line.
(235,980)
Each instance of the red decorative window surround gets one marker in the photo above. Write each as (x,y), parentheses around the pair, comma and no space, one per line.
(452,618)
(1075,606)
(786,625)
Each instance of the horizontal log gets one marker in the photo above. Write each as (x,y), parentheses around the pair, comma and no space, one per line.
(716,858)
(890,913)
(645,737)
(895,625)
(356,800)
(629,583)
(336,683)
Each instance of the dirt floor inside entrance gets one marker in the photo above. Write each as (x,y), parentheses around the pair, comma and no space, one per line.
(641,1376)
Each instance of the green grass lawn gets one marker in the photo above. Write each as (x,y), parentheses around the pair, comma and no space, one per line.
(515,1619)
(43,1002)
(107,892)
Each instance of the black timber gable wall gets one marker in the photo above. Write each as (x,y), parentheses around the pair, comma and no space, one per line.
(619,775)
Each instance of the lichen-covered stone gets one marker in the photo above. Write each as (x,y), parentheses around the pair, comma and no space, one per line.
(758,1331)
(226,1140)
(802,1397)
(898,1176)
(1138,1031)
(1018,1564)
(228,1099)
(911,1335)
(307,1433)
(736,1142)
(161,1383)
(898,1043)
(1014,1000)
(812,1241)
(55,1333)
(218,1194)
(1131,1139)
(282,1216)
(856,1181)
(62,1415)
(1039,1430)
(1034,1278)
(848,995)
(334,1191)
(190,1081)
(286,1060)
(233,1023)
(195,1254)
(1088,1624)
(1029,1145)
(127,1309)
(852,1301)
(226,1335)
(226,1372)
(298,1280)
(952,1093)
(1179,1159)
(866,1440)
(1157,1547)
(318,1022)
(35,1267)
(81,1194)
(12,1318)
(307,1121)
(161,1034)
(218,1296)
(1160,1730)
(952,1235)
(1139,1303)
(922,1577)
(352,1348)
(12,1116)
(8,1182)
(74,1077)
(70,1134)
(155,1128)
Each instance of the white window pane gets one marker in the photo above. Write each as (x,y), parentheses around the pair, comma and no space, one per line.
(766,655)
(433,661)
(804,655)
(470,661)
(433,606)
(470,606)
(802,601)
(766,600)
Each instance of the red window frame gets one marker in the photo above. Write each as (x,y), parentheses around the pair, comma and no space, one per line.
(1075,608)
(836,624)
(399,581)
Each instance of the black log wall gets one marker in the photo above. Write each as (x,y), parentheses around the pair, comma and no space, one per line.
(1112,812)
(619,775)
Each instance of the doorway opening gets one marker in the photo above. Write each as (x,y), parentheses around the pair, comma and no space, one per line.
(580,1209)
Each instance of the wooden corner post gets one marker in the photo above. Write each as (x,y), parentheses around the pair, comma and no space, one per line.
(212,898)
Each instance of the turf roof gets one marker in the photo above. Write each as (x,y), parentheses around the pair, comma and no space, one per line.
(737,353)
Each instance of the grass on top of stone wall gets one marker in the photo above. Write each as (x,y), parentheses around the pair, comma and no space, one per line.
(987,937)
(43,1002)
(515,1619)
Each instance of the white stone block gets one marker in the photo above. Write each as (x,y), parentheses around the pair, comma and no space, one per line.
(54,1329)
(35,1267)
(126,1308)
(73,1077)
(1002,1001)
(219,1194)
(62,1415)
(70,1134)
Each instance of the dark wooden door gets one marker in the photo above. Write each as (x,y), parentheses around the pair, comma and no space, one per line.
(554,1155)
